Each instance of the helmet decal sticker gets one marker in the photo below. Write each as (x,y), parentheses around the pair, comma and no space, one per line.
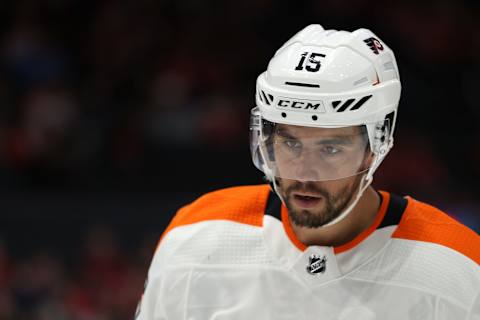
(374,44)
(313,64)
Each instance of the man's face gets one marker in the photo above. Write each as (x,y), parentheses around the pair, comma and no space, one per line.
(319,170)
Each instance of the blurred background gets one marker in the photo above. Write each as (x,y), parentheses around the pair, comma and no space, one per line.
(113,114)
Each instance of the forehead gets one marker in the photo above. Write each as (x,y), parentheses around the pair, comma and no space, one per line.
(307,132)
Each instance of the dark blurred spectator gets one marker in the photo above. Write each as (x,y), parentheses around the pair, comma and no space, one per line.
(30,57)
(172,115)
(35,282)
(105,284)
(42,142)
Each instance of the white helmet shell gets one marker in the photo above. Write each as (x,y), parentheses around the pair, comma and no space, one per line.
(329,78)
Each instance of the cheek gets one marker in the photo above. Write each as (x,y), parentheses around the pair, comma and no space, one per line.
(285,183)
(334,187)
(368,160)
(283,166)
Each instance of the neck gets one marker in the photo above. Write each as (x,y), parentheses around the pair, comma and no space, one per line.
(358,220)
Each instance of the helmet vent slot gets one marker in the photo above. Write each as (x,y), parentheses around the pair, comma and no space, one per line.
(260,96)
(360,103)
(388,66)
(348,102)
(360,81)
(345,105)
(265,99)
(301,84)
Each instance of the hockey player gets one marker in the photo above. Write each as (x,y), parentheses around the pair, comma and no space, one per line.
(320,242)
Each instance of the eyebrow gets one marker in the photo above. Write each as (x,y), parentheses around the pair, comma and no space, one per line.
(342,140)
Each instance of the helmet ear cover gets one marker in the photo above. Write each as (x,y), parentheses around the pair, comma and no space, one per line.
(383,136)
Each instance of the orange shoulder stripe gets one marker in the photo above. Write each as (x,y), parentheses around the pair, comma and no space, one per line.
(367,232)
(244,204)
(423,222)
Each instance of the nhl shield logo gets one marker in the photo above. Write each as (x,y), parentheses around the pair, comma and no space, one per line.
(316,264)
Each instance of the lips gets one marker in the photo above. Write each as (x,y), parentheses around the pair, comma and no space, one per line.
(305,200)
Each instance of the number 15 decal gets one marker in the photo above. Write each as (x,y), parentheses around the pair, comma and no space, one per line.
(313,64)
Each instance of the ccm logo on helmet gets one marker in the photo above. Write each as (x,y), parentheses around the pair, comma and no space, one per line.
(303,105)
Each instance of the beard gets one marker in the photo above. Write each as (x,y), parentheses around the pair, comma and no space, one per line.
(333,204)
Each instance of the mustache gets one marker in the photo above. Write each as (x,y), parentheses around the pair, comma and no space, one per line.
(307,187)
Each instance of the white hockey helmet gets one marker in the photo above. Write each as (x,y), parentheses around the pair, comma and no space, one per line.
(328,79)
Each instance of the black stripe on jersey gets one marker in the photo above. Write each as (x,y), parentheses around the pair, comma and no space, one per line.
(274,206)
(395,210)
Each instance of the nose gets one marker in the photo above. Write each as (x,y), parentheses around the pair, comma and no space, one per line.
(307,167)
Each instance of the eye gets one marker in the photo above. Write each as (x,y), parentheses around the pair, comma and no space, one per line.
(330,150)
(293,144)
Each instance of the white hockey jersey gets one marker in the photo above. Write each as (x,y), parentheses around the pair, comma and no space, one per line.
(232,254)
